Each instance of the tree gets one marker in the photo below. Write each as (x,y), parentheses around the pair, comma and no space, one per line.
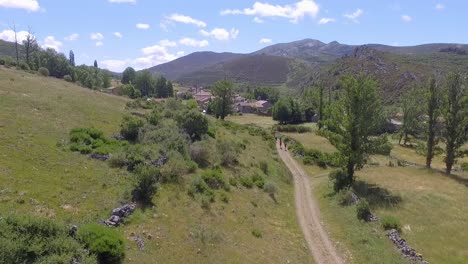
(281,111)
(455,113)
(145,82)
(266,93)
(433,104)
(354,118)
(170,89)
(224,91)
(95,64)
(411,114)
(57,64)
(71,58)
(161,87)
(105,79)
(128,76)
(320,112)
(194,123)
(30,47)
(16,44)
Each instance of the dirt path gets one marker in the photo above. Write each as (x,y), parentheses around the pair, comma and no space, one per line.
(308,213)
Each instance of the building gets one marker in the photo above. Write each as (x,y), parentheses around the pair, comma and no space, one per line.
(259,107)
(203,97)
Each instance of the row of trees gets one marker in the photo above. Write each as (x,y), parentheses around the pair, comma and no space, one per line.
(354,120)
(146,84)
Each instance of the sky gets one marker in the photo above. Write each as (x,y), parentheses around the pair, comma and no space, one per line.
(145,33)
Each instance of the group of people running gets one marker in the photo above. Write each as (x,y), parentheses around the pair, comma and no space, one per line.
(281,143)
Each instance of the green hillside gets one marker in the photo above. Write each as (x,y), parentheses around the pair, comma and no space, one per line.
(40,176)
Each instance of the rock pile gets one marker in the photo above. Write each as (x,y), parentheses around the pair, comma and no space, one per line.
(140,242)
(406,250)
(160,162)
(99,157)
(119,214)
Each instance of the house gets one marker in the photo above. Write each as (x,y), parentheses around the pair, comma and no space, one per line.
(117,90)
(203,97)
(159,100)
(263,106)
(260,107)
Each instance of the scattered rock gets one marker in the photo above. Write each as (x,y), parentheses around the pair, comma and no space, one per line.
(99,157)
(406,250)
(161,161)
(73,230)
(140,242)
(119,214)
(117,136)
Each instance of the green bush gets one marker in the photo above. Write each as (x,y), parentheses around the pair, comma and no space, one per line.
(340,180)
(228,152)
(202,152)
(214,179)
(381,145)
(192,166)
(293,128)
(146,183)
(174,169)
(257,233)
(233,181)
(246,182)
(224,197)
(24,66)
(465,166)
(258,181)
(271,189)
(345,197)
(264,166)
(106,243)
(32,239)
(91,140)
(390,222)
(2,60)
(68,78)
(206,201)
(118,160)
(198,185)
(363,210)
(130,127)
(167,136)
(43,71)
(193,123)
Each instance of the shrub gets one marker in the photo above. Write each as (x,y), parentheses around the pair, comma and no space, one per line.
(155,117)
(130,127)
(224,197)
(193,123)
(146,183)
(293,128)
(206,201)
(68,78)
(271,189)
(345,197)
(166,135)
(192,166)
(363,210)
(174,169)
(247,182)
(2,61)
(198,185)
(201,152)
(32,239)
(118,160)
(465,166)
(340,179)
(390,222)
(214,179)
(381,146)
(24,66)
(258,181)
(264,166)
(228,151)
(257,233)
(105,243)
(233,181)
(43,71)
(91,140)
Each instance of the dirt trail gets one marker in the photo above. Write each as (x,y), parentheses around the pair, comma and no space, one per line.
(308,213)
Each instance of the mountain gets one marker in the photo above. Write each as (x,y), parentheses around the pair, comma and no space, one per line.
(7,48)
(192,63)
(298,64)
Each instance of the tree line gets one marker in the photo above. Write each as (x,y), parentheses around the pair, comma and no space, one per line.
(144,84)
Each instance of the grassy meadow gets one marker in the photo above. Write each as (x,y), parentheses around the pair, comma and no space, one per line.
(39,175)
(431,207)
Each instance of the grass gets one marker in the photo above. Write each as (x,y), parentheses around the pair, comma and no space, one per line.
(313,141)
(429,206)
(36,115)
(252,119)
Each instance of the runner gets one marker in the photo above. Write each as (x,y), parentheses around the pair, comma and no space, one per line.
(281,143)
(285,146)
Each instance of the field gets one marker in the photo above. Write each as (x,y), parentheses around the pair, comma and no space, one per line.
(430,206)
(40,176)
(252,119)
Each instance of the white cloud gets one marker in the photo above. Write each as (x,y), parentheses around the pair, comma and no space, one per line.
(123,1)
(186,20)
(258,20)
(9,35)
(406,18)
(118,35)
(193,42)
(326,20)
(293,12)
(115,65)
(51,42)
(153,49)
(440,6)
(96,36)
(99,44)
(265,41)
(29,5)
(180,53)
(72,37)
(142,26)
(167,43)
(221,33)
(355,15)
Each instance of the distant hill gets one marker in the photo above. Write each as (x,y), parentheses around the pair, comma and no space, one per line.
(297,64)
(7,48)
(192,63)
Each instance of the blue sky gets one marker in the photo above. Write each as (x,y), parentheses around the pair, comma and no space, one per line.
(144,33)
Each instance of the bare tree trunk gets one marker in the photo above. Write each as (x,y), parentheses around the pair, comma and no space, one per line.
(16,45)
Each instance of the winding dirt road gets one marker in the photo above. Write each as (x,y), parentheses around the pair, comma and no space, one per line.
(308,213)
